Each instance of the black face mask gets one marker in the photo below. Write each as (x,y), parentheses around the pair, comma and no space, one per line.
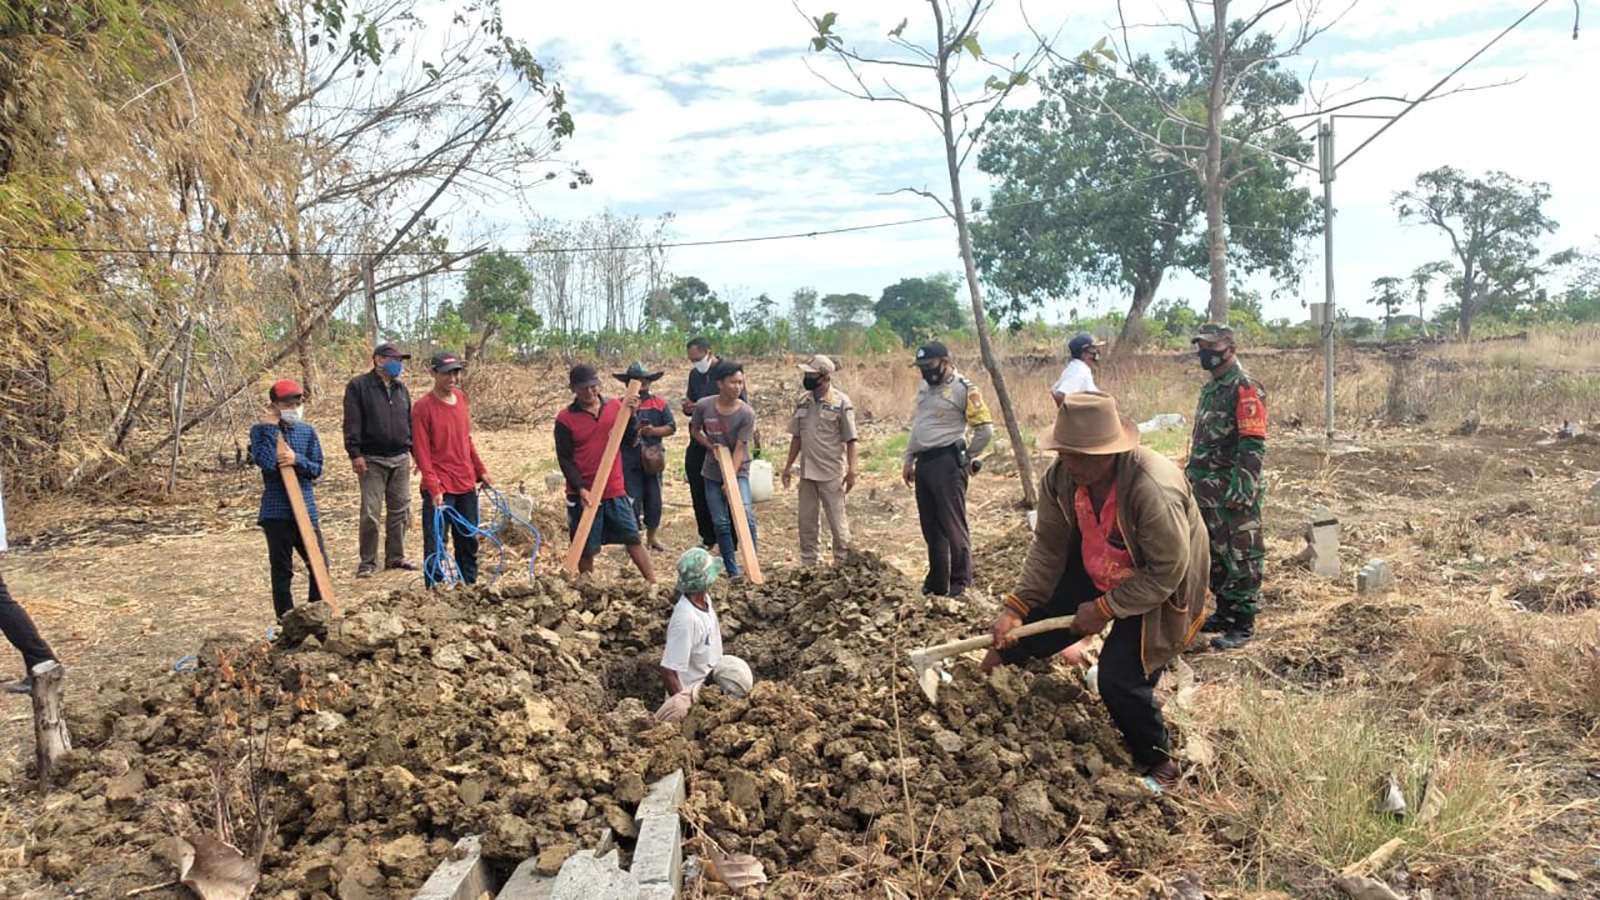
(1212,359)
(933,375)
(811,382)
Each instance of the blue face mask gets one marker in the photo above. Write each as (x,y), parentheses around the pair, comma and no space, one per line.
(393,367)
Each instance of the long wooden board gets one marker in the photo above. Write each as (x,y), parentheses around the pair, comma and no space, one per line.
(607,460)
(308,535)
(741,527)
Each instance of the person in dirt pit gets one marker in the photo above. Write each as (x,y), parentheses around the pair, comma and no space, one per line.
(726,420)
(377,437)
(694,641)
(1078,376)
(644,458)
(823,429)
(1119,540)
(1225,469)
(939,461)
(441,441)
(700,386)
(303,450)
(18,625)
(582,431)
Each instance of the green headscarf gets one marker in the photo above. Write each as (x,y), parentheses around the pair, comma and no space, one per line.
(697,569)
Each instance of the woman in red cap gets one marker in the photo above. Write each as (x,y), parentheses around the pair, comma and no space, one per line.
(303,451)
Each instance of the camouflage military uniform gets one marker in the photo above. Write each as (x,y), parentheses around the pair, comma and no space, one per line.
(1225,470)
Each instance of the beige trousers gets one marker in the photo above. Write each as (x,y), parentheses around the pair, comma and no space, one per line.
(815,496)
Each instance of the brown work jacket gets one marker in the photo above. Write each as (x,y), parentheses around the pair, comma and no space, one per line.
(1165,535)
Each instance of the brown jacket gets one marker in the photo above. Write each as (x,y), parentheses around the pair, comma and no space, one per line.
(1165,534)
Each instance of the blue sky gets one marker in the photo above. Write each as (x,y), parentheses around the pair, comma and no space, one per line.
(708,110)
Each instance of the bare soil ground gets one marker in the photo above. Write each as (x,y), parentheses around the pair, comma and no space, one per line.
(1487,640)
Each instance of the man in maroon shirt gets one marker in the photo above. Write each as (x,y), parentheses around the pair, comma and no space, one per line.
(441,440)
(582,430)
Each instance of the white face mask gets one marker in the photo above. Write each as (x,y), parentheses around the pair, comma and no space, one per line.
(704,365)
(292,415)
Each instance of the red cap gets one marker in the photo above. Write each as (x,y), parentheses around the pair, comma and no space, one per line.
(284,389)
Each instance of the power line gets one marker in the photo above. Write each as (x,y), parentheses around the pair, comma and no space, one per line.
(539,251)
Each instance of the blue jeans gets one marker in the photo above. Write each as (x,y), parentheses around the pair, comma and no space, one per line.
(727,541)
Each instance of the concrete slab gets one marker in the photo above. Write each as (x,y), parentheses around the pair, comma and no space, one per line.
(663,798)
(465,877)
(587,877)
(658,854)
(1324,543)
(1374,578)
(526,883)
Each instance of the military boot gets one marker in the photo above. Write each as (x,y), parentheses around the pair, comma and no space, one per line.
(1241,632)
(1218,622)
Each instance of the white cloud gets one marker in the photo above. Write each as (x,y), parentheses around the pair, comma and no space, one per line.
(708,110)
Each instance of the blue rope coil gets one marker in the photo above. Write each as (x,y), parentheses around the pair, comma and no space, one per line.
(439,566)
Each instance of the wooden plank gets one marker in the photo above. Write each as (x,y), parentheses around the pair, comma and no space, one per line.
(308,535)
(607,460)
(51,740)
(741,527)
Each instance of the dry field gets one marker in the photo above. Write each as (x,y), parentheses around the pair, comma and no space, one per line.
(1475,684)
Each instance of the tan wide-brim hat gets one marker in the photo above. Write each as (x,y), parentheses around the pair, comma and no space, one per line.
(1088,423)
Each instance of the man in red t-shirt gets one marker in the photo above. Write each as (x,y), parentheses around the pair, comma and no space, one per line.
(441,440)
(582,431)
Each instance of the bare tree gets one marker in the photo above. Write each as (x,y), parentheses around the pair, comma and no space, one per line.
(960,124)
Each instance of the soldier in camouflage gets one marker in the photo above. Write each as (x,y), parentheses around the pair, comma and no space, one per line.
(1225,470)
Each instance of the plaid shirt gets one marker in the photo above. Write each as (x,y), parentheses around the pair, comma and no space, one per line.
(302,439)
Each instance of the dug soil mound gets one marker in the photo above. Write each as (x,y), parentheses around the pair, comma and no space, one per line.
(355,752)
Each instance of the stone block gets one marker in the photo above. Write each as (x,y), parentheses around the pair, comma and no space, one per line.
(463,877)
(526,883)
(1324,541)
(585,876)
(658,854)
(1374,578)
(657,892)
(663,798)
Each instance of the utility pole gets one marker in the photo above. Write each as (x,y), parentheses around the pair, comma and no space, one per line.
(1328,172)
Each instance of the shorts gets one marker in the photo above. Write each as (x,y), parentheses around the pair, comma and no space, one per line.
(614,523)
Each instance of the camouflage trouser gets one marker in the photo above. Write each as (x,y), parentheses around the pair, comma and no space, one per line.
(1238,553)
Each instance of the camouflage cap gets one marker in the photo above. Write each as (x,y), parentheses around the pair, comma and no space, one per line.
(1211,332)
(697,569)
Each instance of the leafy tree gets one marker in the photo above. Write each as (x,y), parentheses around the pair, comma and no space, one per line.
(498,297)
(699,308)
(1580,302)
(1493,224)
(1080,203)
(1387,297)
(803,315)
(919,308)
(759,314)
(847,309)
(1421,280)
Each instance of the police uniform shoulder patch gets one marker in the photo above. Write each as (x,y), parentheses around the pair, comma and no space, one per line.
(977,411)
(1251,411)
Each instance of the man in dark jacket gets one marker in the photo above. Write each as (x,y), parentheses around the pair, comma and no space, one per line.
(377,438)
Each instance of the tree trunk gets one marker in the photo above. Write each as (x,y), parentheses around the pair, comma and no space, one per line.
(1216,238)
(980,319)
(303,313)
(1465,314)
(51,740)
(1131,334)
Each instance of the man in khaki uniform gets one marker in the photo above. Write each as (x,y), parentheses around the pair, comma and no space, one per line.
(824,441)
(939,461)
(1120,541)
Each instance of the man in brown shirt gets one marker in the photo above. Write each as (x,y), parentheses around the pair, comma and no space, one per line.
(823,429)
(1119,541)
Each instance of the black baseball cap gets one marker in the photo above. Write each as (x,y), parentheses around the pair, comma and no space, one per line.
(1082,341)
(583,375)
(930,353)
(390,350)
(446,362)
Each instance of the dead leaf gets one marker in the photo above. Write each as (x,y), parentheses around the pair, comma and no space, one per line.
(1543,882)
(736,870)
(1432,800)
(1359,887)
(1198,750)
(214,870)
(1375,860)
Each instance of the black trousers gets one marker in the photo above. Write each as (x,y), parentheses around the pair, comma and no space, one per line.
(942,509)
(283,542)
(20,631)
(693,459)
(1129,693)
(466,545)
(644,491)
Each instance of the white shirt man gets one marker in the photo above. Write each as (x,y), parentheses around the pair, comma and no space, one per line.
(1078,376)
(694,642)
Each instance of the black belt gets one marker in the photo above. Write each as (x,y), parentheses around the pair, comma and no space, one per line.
(935,451)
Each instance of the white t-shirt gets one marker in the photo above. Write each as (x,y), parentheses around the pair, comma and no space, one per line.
(1076,378)
(694,642)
